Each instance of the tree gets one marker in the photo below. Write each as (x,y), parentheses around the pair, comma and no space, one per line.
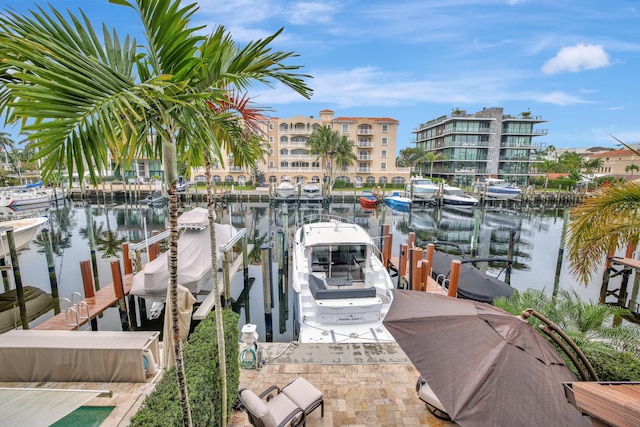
(593,164)
(631,168)
(608,221)
(323,143)
(84,101)
(431,157)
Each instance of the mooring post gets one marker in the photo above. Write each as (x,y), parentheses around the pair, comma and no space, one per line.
(402,268)
(265,256)
(16,275)
(118,289)
(476,231)
(89,292)
(387,241)
(426,272)
(92,246)
(454,277)
(53,281)
(245,278)
(416,268)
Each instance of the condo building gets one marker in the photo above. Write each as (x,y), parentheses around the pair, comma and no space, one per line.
(288,155)
(488,143)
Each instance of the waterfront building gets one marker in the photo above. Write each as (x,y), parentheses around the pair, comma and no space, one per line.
(488,143)
(288,155)
(622,163)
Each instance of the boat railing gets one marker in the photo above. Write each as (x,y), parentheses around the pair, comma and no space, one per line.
(322,217)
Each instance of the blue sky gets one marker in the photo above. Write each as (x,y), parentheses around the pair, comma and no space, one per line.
(574,62)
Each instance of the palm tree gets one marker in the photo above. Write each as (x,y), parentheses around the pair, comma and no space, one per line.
(431,157)
(631,168)
(601,224)
(86,102)
(344,155)
(322,143)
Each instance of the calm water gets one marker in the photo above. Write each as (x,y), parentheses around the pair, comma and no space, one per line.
(537,241)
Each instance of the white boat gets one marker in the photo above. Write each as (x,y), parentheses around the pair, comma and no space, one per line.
(23,232)
(455,196)
(37,302)
(194,258)
(285,188)
(311,190)
(421,190)
(343,291)
(23,197)
(495,188)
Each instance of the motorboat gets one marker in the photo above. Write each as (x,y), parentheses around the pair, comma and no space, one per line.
(368,200)
(194,257)
(154,199)
(311,190)
(421,190)
(23,197)
(398,202)
(37,302)
(496,188)
(473,283)
(23,232)
(285,189)
(455,196)
(342,289)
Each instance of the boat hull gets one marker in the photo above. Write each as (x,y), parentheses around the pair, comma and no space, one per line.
(37,303)
(23,232)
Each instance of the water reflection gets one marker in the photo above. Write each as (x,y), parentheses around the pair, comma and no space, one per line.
(536,236)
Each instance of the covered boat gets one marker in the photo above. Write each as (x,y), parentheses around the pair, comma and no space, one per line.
(194,257)
(421,190)
(342,289)
(473,283)
(285,189)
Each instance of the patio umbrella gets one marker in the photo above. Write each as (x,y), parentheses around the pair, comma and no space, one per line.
(486,366)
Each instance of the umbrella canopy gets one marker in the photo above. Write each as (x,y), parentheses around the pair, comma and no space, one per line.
(486,366)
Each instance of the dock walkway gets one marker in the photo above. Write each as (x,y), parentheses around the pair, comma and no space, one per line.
(103,299)
(363,384)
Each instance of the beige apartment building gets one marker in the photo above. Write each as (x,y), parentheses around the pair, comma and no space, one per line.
(288,155)
(618,163)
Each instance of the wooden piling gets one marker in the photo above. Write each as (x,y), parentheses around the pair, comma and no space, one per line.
(415,272)
(265,258)
(126,259)
(429,257)
(118,289)
(454,277)
(89,290)
(404,254)
(411,239)
(53,280)
(425,274)
(17,277)
(387,240)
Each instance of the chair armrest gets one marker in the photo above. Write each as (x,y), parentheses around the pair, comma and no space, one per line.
(269,390)
(293,420)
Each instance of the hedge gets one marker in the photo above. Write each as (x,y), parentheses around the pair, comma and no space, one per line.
(162,406)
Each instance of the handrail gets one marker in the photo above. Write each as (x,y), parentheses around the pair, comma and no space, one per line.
(583,366)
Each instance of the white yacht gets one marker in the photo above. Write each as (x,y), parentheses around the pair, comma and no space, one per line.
(285,188)
(455,196)
(496,188)
(311,190)
(343,291)
(421,189)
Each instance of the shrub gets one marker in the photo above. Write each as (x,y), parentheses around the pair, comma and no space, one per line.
(614,366)
(162,406)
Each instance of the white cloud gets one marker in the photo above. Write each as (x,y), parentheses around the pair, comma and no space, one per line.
(311,12)
(577,58)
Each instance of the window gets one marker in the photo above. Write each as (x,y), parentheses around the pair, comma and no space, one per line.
(384,154)
(271,164)
(385,140)
(383,166)
(271,151)
(284,139)
(385,128)
(284,127)
(270,126)
(270,140)
(345,128)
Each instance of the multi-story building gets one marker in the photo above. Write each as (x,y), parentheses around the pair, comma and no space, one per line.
(485,144)
(288,155)
(622,163)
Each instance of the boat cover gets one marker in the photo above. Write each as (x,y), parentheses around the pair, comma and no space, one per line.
(473,284)
(194,261)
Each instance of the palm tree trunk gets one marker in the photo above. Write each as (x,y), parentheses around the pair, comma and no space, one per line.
(222,359)
(171,178)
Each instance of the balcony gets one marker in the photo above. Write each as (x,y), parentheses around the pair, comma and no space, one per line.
(365,144)
(366,158)
(365,131)
(364,170)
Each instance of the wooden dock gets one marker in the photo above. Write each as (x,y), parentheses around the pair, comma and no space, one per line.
(103,299)
(432,285)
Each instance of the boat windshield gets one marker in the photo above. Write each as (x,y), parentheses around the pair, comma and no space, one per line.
(423,182)
(338,260)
